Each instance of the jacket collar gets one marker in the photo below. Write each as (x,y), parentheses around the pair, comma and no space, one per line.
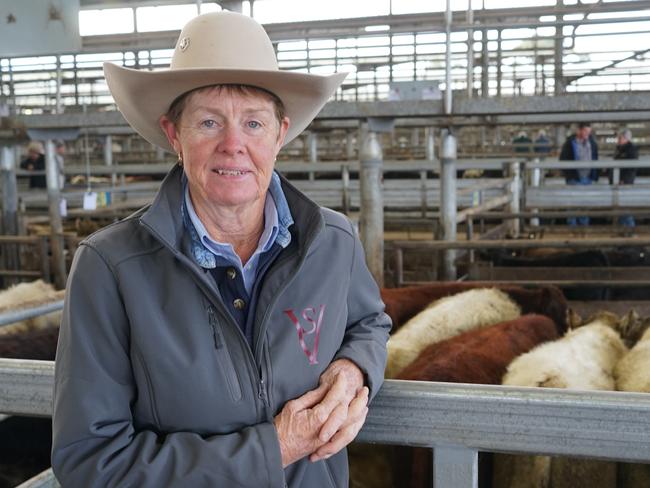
(164,216)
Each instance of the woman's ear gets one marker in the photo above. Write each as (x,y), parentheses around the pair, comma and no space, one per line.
(284,127)
(169,128)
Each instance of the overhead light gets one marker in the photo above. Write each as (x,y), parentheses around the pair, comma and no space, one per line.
(377,28)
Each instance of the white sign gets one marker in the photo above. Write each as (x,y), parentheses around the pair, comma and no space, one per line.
(63,207)
(90,200)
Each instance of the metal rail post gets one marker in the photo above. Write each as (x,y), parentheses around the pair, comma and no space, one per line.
(349,145)
(535,182)
(448,88)
(448,203)
(313,151)
(515,192)
(455,466)
(108,156)
(371,219)
(9,204)
(470,51)
(56,225)
(431,144)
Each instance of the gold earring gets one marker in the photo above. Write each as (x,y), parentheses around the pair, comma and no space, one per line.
(180,159)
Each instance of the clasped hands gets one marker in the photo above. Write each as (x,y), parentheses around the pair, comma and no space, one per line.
(323,421)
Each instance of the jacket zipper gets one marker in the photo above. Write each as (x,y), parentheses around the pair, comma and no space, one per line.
(254,356)
(262,327)
(206,287)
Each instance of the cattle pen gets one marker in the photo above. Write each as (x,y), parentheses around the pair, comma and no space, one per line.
(493,159)
(455,420)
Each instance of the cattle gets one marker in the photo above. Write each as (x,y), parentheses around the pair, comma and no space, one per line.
(37,344)
(24,295)
(632,257)
(478,356)
(404,303)
(583,359)
(632,373)
(446,318)
(25,441)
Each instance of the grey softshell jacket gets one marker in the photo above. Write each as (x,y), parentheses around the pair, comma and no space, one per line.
(155,384)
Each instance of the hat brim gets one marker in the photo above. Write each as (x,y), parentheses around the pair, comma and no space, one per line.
(144,96)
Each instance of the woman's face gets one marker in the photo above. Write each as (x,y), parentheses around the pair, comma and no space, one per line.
(228,141)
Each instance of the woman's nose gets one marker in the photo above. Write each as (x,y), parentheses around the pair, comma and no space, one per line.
(231,140)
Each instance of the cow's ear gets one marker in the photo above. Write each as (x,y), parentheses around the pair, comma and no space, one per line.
(552,381)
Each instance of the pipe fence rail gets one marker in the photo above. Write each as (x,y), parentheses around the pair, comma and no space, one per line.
(455,420)
(30,309)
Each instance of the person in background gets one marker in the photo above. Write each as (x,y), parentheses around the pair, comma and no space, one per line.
(580,146)
(229,333)
(625,149)
(542,144)
(59,157)
(521,143)
(35,161)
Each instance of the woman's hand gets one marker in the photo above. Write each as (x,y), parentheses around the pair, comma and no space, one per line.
(325,420)
(298,426)
(343,408)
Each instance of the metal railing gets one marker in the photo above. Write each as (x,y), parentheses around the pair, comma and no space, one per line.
(30,309)
(455,420)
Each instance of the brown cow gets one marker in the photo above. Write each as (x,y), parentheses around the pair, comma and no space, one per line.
(404,303)
(479,356)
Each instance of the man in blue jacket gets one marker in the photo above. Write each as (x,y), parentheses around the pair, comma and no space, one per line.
(580,147)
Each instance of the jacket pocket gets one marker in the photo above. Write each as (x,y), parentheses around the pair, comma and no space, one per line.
(147,377)
(223,357)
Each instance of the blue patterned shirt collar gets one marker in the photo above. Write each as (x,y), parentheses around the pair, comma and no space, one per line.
(207,252)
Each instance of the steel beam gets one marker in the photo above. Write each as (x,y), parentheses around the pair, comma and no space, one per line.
(599,424)
(371,219)
(45,479)
(26,387)
(505,110)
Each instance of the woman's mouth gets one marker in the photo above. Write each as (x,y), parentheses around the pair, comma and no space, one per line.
(230,172)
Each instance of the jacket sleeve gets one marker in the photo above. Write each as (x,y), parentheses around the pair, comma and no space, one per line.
(95,441)
(368,326)
(566,154)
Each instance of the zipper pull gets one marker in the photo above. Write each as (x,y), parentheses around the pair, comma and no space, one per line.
(216,333)
(262,392)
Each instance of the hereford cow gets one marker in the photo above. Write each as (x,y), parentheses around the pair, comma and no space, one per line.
(583,359)
(632,373)
(446,318)
(404,303)
(478,356)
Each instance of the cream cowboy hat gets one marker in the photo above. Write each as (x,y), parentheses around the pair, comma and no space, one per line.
(217,48)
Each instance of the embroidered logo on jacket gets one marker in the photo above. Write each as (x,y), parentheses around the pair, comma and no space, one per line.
(316,320)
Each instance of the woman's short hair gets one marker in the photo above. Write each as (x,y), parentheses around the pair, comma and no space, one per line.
(176,108)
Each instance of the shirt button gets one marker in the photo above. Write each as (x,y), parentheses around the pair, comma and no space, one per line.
(239,304)
(231,273)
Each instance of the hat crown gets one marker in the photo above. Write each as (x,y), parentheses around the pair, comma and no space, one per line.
(224,40)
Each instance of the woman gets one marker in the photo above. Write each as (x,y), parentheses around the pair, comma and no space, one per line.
(230,333)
